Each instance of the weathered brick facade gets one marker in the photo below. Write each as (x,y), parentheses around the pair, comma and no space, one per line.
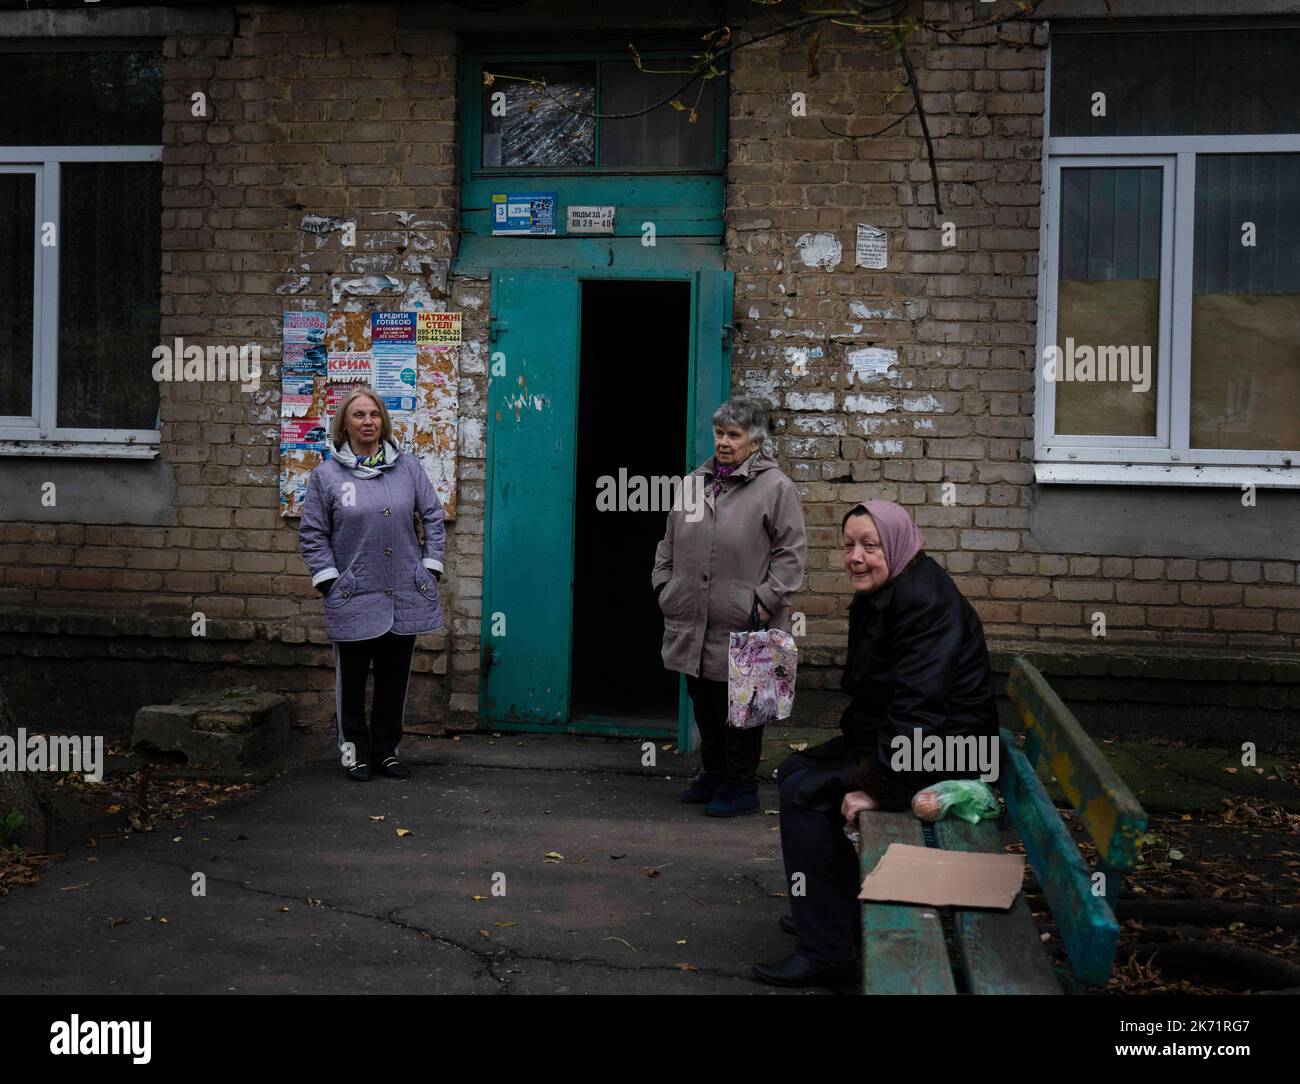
(351,112)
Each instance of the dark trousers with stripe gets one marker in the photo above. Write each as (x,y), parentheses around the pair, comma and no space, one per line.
(824,906)
(391,655)
(727,752)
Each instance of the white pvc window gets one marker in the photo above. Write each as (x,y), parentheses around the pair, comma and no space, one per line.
(1181,243)
(81,225)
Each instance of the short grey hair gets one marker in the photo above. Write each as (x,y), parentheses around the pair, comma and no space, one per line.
(749,414)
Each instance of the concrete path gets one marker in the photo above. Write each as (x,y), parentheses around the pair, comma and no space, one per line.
(308,891)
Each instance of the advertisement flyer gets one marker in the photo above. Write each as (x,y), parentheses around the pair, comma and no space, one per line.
(411,360)
(435,328)
(347,343)
(303,349)
(393,354)
(307,433)
(302,395)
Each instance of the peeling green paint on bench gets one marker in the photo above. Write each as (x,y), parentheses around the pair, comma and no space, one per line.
(1000,950)
(1087,925)
(903,948)
(1108,809)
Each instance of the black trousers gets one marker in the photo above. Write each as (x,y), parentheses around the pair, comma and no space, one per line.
(727,752)
(392,655)
(824,901)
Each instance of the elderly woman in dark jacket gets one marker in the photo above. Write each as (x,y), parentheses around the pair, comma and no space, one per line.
(917,661)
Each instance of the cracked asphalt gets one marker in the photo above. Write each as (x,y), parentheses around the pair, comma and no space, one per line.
(307,892)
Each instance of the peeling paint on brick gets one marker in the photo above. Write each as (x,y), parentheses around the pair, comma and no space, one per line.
(820,250)
(869,404)
(296,286)
(872,365)
(863,312)
(365,286)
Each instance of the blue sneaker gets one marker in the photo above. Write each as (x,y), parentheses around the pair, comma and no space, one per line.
(730,801)
(703,787)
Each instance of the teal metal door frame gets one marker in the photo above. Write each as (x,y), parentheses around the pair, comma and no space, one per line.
(709,382)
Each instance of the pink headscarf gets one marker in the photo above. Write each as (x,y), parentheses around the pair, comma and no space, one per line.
(900,538)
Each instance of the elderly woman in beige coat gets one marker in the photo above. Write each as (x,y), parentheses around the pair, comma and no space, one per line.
(732,556)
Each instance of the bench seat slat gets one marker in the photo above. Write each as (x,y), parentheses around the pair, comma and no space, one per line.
(903,948)
(1000,950)
(1087,925)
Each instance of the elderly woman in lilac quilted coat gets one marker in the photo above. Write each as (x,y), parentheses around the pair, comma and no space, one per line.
(380,583)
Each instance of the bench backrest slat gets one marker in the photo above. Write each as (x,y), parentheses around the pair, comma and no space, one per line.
(1109,811)
(1087,925)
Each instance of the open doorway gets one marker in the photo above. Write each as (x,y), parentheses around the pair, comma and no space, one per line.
(632,407)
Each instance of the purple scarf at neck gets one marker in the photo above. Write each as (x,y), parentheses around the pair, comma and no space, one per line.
(720,472)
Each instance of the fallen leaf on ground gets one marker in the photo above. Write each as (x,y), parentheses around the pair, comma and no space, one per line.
(282,908)
(405,832)
(505,924)
(686,967)
(798,746)
(114,922)
(555,855)
(478,897)
(379,818)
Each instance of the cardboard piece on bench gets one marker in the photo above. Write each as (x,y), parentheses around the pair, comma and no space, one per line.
(936,878)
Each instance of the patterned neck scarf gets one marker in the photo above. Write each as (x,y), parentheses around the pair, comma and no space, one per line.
(372,460)
(720,472)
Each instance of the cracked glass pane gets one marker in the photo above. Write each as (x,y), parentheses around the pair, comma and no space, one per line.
(526,124)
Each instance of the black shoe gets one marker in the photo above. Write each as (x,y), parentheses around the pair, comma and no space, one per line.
(394,768)
(359,773)
(787,924)
(795,970)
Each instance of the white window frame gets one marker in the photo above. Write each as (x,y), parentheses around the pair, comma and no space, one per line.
(38,433)
(1167,458)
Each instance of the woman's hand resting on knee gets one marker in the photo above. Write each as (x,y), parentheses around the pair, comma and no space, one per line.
(855,802)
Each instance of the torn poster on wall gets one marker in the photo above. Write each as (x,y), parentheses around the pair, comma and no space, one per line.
(411,359)
(303,446)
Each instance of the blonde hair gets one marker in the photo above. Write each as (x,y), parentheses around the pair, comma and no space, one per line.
(338,425)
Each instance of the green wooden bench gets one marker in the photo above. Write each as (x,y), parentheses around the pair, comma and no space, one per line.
(904,948)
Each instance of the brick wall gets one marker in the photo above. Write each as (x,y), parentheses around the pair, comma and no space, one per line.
(958,407)
(342,113)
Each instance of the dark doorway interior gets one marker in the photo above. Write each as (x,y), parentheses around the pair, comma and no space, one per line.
(632,400)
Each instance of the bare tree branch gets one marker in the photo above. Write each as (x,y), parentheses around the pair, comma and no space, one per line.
(925,126)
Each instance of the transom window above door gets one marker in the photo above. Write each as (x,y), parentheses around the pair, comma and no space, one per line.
(597,112)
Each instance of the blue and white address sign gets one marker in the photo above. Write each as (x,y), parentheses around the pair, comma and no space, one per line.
(523,214)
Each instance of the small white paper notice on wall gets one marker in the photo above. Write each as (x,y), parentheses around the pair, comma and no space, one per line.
(873,247)
(591,220)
